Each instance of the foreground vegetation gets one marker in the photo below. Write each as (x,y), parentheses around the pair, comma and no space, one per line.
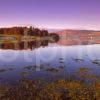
(57,90)
(82,85)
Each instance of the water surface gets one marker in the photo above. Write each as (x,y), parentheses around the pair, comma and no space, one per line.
(35,64)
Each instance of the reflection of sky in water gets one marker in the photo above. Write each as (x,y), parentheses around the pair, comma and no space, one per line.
(72,57)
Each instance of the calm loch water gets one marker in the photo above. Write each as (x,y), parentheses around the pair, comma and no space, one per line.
(53,61)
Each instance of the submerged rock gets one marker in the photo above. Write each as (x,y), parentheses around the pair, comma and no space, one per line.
(25,73)
(53,70)
(5,69)
(2,70)
(78,60)
(97,62)
(28,67)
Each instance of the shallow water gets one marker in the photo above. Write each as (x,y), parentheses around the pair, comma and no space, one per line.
(36,64)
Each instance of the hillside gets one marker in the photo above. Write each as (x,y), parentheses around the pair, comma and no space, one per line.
(71,37)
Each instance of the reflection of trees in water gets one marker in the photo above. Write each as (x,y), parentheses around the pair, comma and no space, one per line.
(24,45)
(43,41)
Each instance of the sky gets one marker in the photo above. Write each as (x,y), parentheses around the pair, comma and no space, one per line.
(62,14)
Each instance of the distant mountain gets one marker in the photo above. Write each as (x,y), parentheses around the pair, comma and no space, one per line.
(69,37)
(79,32)
(74,31)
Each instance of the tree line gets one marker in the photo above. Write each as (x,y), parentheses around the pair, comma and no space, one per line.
(21,30)
(30,31)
